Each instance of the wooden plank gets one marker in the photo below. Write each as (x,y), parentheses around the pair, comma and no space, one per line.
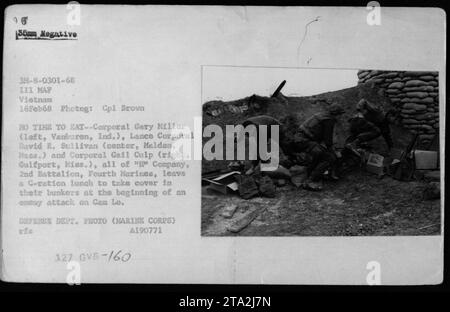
(240,224)
(229,211)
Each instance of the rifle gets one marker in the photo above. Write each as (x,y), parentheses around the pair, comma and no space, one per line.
(405,169)
(277,91)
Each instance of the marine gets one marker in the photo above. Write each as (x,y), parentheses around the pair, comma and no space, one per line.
(367,124)
(315,138)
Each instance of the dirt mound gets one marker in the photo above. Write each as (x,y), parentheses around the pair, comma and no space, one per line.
(235,112)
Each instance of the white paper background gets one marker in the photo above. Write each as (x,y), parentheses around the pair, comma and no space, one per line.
(152,55)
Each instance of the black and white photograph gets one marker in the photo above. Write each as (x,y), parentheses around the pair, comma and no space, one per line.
(234,145)
(358,153)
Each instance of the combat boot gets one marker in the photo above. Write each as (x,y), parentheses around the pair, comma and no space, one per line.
(312,185)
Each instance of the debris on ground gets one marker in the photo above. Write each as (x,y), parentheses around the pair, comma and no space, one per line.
(267,187)
(358,204)
(432,191)
(229,211)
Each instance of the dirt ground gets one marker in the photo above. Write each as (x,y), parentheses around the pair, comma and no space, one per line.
(360,204)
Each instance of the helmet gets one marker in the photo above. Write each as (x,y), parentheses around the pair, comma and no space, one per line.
(336,109)
(362,104)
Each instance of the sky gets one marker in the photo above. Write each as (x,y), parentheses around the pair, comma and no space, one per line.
(232,83)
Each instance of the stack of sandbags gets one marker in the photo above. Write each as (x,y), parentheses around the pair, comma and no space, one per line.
(381,78)
(414,93)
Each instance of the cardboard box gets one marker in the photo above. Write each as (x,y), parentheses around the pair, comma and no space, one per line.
(224,183)
(426,160)
(375,163)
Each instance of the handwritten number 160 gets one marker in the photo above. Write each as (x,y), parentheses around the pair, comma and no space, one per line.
(118,256)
